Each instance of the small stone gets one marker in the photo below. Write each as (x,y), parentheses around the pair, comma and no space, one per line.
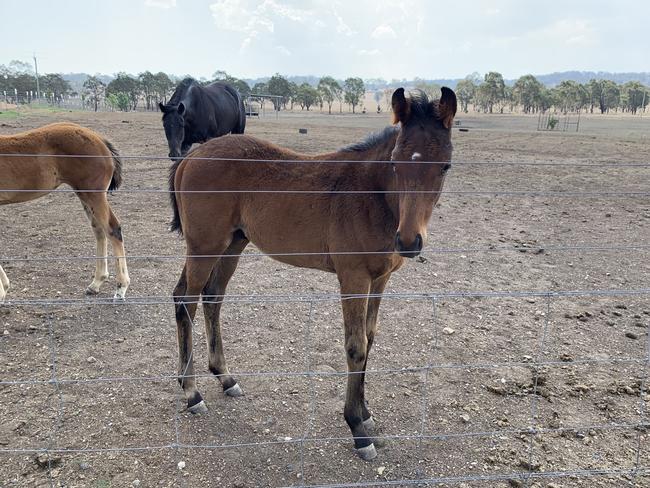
(448,331)
(91,359)
(631,335)
(135,483)
(464,418)
(6,332)
(380,470)
(84,466)
(181,464)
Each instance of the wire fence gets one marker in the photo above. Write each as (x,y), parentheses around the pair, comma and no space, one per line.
(529,472)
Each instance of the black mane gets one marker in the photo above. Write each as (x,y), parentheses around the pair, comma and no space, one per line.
(372,140)
(421,106)
(181,90)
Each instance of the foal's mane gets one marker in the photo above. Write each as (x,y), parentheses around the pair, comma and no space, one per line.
(421,107)
(181,90)
(372,140)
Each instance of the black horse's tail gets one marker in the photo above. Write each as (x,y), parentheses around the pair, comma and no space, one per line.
(175,224)
(116,180)
(241,126)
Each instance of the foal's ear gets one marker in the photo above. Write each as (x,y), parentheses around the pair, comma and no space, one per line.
(181,108)
(447,107)
(401,107)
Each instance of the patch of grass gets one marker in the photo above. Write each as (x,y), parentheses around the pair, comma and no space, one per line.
(102,484)
(8,114)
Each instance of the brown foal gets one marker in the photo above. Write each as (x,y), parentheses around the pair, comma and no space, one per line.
(221,205)
(66,153)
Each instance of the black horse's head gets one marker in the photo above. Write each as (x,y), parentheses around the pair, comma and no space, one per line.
(174,123)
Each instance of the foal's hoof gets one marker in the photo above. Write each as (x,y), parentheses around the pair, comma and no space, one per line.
(90,291)
(367,453)
(118,299)
(198,409)
(120,295)
(234,391)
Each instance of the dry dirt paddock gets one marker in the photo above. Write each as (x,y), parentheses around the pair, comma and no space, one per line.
(114,416)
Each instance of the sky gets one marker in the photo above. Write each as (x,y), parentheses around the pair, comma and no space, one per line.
(387,39)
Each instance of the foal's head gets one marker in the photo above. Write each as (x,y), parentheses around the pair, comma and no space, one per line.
(421,158)
(174,124)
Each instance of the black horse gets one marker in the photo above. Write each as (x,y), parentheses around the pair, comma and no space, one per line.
(196,113)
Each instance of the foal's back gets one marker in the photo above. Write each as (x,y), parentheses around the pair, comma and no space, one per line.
(280,203)
(40,165)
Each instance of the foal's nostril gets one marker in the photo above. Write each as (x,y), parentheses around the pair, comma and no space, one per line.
(408,251)
(418,243)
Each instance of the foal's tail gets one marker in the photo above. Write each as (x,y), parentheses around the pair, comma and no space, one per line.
(175,224)
(116,180)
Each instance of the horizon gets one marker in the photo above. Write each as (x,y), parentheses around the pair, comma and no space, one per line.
(253,39)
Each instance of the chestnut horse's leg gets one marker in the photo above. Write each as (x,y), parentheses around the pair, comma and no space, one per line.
(101,213)
(186,295)
(376,289)
(354,300)
(4,284)
(101,265)
(213,294)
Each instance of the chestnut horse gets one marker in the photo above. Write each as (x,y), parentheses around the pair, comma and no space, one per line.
(219,208)
(66,153)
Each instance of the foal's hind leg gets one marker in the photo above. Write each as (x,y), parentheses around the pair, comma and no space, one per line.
(101,265)
(100,212)
(213,294)
(4,284)
(186,295)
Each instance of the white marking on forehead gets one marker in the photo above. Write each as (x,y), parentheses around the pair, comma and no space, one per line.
(416,156)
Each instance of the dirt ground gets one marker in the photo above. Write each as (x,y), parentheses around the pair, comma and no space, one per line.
(588,402)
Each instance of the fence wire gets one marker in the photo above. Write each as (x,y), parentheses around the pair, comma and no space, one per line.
(432,364)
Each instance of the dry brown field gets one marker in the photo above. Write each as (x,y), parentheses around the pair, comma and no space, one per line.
(487,305)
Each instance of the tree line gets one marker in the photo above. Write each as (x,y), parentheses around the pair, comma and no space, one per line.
(489,94)
(529,95)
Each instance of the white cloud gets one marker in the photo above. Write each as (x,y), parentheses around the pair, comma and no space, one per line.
(573,32)
(160,3)
(383,31)
(366,52)
(283,50)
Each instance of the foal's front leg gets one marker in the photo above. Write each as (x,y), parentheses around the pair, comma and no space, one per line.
(376,290)
(354,300)
(4,284)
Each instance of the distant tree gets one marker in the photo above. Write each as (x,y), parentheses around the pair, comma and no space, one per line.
(94,91)
(354,91)
(279,86)
(118,101)
(492,90)
(241,86)
(466,91)
(293,89)
(127,85)
(17,66)
(571,96)
(306,96)
(634,96)
(527,92)
(148,86)
(604,93)
(329,90)
(432,90)
(163,87)
(55,84)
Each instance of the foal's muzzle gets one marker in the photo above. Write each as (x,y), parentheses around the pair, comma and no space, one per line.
(411,250)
